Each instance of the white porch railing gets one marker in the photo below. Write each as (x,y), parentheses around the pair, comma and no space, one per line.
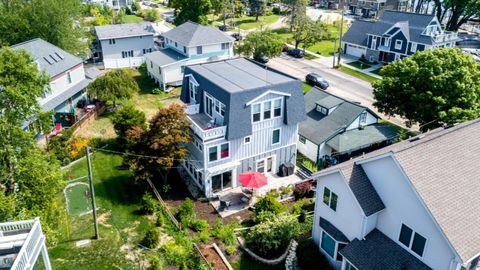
(207,134)
(445,37)
(32,246)
(192,109)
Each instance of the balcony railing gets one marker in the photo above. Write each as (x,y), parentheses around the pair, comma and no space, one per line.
(31,247)
(446,37)
(192,109)
(208,133)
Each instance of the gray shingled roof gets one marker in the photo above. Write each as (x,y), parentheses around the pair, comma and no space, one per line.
(329,101)
(378,252)
(191,34)
(355,139)
(333,231)
(443,166)
(124,30)
(50,58)
(414,22)
(318,128)
(165,57)
(236,75)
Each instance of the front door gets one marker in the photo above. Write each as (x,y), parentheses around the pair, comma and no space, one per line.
(265,165)
(221,181)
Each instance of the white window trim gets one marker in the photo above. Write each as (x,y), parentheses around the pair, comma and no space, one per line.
(266,93)
(281,107)
(219,149)
(272,109)
(413,48)
(330,199)
(249,140)
(279,136)
(398,46)
(336,244)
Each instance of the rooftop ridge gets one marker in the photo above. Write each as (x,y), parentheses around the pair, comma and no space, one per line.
(26,42)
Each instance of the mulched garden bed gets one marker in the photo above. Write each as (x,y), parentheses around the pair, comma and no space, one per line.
(213,258)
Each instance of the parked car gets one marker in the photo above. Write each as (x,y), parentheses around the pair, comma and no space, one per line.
(224,27)
(262,59)
(315,79)
(297,53)
(285,48)
(237,36)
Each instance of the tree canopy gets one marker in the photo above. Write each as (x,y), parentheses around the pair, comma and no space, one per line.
(191,10)
(127,118)
(56,21)
(260,43)
(308,31)
(257,8)
(457,12)
(165,138)
(430,87)
(114,85)
(296,8)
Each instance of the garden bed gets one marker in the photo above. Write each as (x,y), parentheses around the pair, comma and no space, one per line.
(214,258)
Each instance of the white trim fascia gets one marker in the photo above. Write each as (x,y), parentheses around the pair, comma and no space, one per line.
(362,161)
(325,173)
(179,61)
(425,207)
(266,93)
(471,259)
(393,26)
(193,78)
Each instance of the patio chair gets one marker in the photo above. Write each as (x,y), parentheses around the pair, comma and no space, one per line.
(224,204)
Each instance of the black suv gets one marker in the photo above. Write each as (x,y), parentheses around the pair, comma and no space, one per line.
(317,80)
(297,53)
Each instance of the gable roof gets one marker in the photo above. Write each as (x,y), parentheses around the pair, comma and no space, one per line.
(193,34)
(124,30)
(49,57)
(165,57)
(318,128)
(442,166)
(411,24)
(378,252)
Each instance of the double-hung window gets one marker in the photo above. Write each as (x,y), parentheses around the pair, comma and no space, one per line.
(256,112)
(224,151)
(225,46)
(398,44)
(212,153)
(199,50)
(277,107)
(217,152)
(412,240)
(193,91)
(267,110)
(330,198)
(363,117)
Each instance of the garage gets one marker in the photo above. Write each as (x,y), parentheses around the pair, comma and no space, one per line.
(354,50)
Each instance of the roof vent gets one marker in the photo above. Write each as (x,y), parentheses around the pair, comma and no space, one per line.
(59,55)
(448,125)
(54,59)
(416,138)
(48,61)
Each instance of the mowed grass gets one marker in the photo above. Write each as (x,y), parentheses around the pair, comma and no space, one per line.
(121,226)
(359,65)
(132,19)
(249,22)
(78,203)
(306,87)
(358,74)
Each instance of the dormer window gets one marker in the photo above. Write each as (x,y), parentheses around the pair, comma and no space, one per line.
(322,110)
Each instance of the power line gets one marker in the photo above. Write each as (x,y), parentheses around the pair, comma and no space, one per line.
(143,156)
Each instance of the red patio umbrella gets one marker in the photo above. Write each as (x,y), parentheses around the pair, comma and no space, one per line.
(253,179)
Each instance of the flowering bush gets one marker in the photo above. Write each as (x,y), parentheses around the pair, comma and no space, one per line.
(303,189)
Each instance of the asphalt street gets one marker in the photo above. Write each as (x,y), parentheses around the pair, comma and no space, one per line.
(341,84)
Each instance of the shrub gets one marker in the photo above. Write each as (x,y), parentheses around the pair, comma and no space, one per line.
(268,204)
(270,238)
(156,91)
(276,10)
(204,236)
(186,212)
(273,193)
(126,118)
(155,264)
(298,206)
(303,189)
(224,233)
(151,238)
(151,15)
(160,219)
(149,204)
(309,257)
(199,225)
(230,250)
(177,252)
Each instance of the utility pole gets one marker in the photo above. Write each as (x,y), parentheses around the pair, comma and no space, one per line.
(334,46)
(340,41)
(92,192)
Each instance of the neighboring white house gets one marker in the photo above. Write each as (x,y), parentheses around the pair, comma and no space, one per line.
(412,205)
(21,243)
(337,129)
(114,4)
(68,79)
(187,44)
(244,117)
(124,45)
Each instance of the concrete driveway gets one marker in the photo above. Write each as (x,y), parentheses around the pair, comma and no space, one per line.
(341,84)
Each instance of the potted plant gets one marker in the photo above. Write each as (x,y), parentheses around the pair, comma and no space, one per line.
(286,192)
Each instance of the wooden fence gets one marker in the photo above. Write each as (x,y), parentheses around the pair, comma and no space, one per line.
(87,119)
(174,220)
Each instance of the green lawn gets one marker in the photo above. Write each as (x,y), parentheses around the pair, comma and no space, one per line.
(358,74)
(376,71)
(249,22)
(306,87)
(77,200)
(121,225)
(133,19)
(247,263)
(359,65)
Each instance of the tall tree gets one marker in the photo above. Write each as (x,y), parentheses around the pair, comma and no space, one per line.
(430,87)
(191,10)
(165,138)
(296,8)
(457,11)
(114,85)
(56,21)
(257,8)
(260,43)
(308,31)
(126,118)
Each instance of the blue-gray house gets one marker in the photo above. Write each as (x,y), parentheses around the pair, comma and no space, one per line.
(244,117)
(396,35)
